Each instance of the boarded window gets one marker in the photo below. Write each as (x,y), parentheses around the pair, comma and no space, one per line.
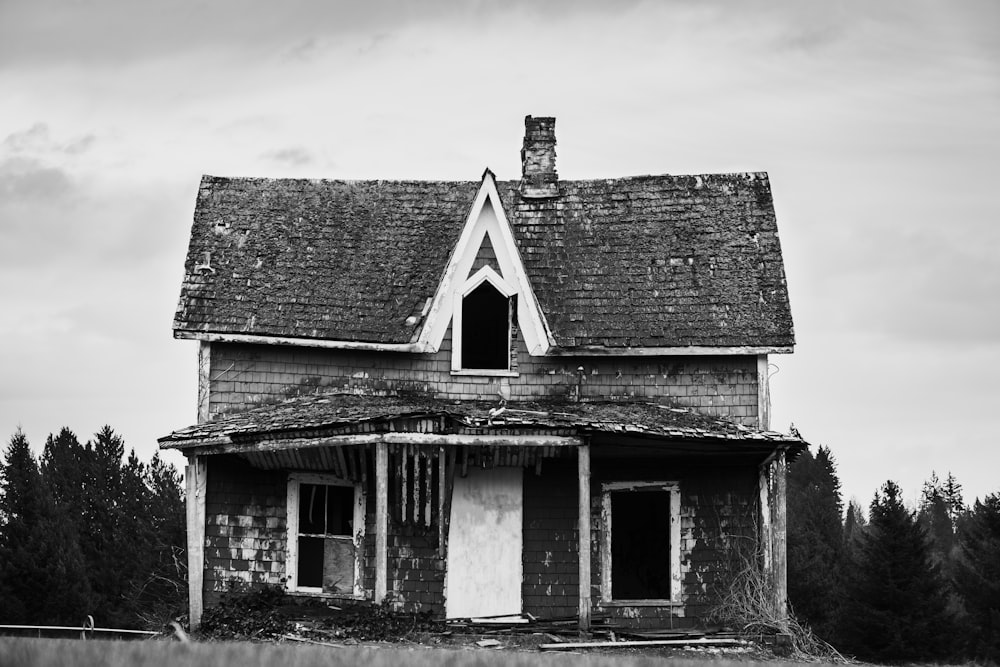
(486,329)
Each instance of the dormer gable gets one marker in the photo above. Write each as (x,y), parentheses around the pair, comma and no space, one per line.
(485,271)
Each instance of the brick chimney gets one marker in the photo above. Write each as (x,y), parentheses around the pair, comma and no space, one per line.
(538,158)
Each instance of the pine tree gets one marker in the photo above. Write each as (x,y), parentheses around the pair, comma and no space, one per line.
(20,501)
(815,540)
(951,490)
(896,608)
(42,575)
(977,575)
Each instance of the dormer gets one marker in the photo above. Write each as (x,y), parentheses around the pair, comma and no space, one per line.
(485,297)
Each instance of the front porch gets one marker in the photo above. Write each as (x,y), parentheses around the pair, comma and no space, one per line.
(562,480)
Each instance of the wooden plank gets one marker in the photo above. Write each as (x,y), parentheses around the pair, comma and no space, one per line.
(225,445)
(779,551)
(381,520)
(764,495)
(204,381)
(404,486)
(583,528)
(414,454)
(428,489)
(763,394)
(565,646)
(197,479)
(442,476)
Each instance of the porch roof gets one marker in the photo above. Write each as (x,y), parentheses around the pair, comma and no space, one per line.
(332,414)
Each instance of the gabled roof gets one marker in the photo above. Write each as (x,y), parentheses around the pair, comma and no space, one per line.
(651,261)
(330,414)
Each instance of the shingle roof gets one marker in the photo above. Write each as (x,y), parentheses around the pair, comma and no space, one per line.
(329,413)
(632,262)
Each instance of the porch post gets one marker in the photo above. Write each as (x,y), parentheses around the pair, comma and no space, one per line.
(381,519)
(196,474)
(780,546)
(583,528)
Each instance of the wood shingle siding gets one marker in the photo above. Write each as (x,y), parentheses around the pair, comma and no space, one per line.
(245,376)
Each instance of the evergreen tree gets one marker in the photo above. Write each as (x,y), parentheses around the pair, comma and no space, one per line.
(815,540)
(951,490)
(20,501)
(896,608)
(977,575)
(42,576)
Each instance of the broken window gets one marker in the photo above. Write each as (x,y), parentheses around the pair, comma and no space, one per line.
(486,320)
(640,555)
(325,528)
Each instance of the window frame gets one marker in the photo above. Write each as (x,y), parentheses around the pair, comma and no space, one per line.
(484,274)
(674,557)
(295,480)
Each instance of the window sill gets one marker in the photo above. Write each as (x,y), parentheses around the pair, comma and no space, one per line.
(486,372)
(639,603)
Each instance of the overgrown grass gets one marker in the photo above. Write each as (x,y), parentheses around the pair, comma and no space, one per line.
(24,652)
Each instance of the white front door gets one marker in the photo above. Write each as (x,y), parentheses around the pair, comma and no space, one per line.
(484,544)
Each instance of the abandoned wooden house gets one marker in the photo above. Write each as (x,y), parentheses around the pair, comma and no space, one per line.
(487,397)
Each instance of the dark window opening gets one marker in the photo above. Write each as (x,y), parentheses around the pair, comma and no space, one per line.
(640,545)
(325,540)
(486,329)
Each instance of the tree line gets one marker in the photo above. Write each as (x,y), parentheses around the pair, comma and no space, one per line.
(894,584)
(85,530)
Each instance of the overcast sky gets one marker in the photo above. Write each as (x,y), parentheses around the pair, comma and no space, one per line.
(879,124)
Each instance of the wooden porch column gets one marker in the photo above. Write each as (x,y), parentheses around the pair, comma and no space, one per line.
(774,523)
(779,550)
(196,474)
(381,519)
(583,528)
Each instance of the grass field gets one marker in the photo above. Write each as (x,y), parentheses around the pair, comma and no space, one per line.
(18,652)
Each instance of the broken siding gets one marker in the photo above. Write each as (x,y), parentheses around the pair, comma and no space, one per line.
(244,527)
(244,376)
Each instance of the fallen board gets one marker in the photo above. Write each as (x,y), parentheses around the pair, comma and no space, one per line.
(642,643)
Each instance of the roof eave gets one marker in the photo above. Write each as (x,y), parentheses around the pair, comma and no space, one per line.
(258,339)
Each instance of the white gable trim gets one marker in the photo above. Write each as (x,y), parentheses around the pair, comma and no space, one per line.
(486,218)
(487,274)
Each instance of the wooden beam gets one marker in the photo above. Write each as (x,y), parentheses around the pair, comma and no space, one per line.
(780,549)
(196,474)
(763,394)
(204,381)
(583,529)
(442,478)
(224,445)
(692,350)
(180,334)
(764,494)
(381,520)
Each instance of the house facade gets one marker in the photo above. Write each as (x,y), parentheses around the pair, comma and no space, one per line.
(488,397)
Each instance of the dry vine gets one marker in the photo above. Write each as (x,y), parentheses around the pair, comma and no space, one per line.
(746,602)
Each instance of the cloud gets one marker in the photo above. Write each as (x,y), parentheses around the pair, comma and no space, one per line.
(25,179)
(294,156)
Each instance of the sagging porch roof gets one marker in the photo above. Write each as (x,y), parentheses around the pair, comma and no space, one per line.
(330,415)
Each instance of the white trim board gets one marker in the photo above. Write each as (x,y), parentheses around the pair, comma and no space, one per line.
(486,218)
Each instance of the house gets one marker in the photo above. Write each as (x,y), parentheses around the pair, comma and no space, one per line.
(487,397)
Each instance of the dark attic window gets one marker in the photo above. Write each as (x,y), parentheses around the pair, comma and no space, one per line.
(486,329)
(640,545)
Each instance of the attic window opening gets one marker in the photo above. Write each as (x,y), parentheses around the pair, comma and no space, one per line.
(486,325)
